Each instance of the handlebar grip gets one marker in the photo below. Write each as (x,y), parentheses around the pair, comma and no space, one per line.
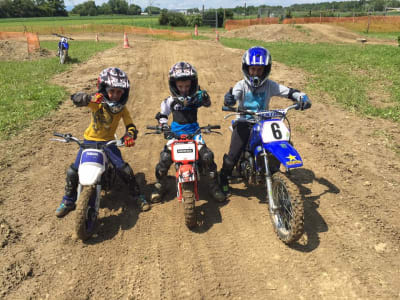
(152,127)
(227,108)
(58,134)
(215,126)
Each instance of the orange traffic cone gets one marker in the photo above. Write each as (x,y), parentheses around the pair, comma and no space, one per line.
(126,44)
(97,37)
(217,36)
(196,31)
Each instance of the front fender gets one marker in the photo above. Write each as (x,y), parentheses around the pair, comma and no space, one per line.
(285,153)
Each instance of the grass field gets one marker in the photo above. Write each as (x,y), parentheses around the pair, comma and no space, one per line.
(363,79)
(68,23)
(26,92)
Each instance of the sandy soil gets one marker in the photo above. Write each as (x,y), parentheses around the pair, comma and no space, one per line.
(18,50)
(306,33)
(349,182)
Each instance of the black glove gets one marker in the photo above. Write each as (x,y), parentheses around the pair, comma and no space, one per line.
(81,99)
(229,98)
(164,127)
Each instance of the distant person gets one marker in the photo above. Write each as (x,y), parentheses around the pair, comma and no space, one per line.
(185,100)
(108,107)
(253,93)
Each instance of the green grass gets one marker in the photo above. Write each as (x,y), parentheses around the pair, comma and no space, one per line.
(36,24)
(354,75)
(26,92)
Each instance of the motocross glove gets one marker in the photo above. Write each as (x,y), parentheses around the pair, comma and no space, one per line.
(97,98)
(303,100)
(229,98)
(128,140)
(81,99)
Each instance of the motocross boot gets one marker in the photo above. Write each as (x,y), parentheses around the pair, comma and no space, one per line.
(226,170)
(223,182)
(160,189)
(68,202)
(214,188)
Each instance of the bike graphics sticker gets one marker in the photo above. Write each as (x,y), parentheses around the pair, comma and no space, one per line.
(292,160)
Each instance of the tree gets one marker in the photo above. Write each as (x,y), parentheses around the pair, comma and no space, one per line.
(134,9)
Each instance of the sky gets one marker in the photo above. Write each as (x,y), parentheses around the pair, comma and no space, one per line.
(179,4)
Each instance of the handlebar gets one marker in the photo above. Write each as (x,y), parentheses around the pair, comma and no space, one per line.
(265,113)
(67,137)
(170,134)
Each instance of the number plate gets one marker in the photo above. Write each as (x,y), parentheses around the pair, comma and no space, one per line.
(184,152)
(274,131)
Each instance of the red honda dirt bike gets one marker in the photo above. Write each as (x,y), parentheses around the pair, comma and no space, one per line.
(185,155)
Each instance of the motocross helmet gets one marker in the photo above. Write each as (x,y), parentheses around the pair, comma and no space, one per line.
(113,78)
(182,71)
(256,56)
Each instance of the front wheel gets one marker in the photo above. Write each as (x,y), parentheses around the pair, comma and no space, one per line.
(189,203)
(288,217)
(63,55)
(86,215)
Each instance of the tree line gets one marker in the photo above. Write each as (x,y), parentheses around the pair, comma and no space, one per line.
(45,8)
(32,8)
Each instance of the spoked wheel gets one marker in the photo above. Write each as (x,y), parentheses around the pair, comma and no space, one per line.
(63,56)
(189,204)
(288,218)
(86,216)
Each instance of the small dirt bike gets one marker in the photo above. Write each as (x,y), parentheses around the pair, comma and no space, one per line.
(269,146)
(185,154)
(63,47)
(96,173)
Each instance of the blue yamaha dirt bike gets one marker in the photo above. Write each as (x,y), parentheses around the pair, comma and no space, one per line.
(96,173)
(63,47)
(269,146)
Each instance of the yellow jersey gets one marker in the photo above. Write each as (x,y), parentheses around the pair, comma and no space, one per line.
(104,124)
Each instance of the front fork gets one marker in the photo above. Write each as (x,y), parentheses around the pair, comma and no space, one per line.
(268,183)
(97,200)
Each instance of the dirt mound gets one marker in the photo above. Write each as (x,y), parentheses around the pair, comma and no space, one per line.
(306,33)
(17,51)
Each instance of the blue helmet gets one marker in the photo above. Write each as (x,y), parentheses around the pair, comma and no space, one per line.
(256,56)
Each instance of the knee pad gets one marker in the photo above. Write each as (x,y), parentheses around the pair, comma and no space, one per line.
(126,172)
(72,174)
(207,158)
(165,158)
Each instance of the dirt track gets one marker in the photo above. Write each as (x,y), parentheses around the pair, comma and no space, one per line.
(306,33)
(350,183)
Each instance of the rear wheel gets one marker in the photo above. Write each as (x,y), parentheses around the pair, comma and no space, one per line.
(86,215)
(288,218)
(189,204)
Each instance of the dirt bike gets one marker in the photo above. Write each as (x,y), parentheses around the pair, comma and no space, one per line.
(269,146)
(63,47)
(185,155)
(95,173)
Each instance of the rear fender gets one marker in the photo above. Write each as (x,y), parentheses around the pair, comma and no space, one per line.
(285,153)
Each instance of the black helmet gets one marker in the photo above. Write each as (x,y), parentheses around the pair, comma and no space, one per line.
(114,78)
(182,71)
(256,56)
